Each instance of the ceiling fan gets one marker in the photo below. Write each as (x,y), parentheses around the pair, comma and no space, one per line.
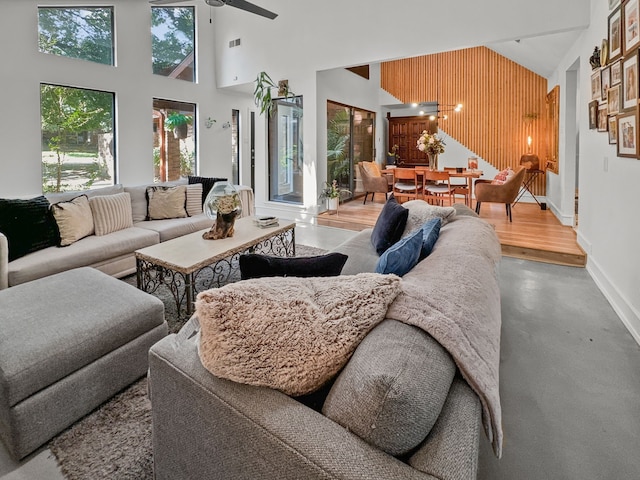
(241,4)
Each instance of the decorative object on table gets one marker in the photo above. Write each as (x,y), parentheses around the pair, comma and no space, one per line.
(392,156)
(594,59)
(265,222)
(472,163)
(223,206)
(432,145)
(332,193)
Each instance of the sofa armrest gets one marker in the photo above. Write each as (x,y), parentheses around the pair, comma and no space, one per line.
(207,427)
(4,262)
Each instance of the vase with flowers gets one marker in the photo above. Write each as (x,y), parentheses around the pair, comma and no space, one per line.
(332,193)
(432,145)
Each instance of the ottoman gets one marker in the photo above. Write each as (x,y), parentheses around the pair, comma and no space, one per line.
(69,342)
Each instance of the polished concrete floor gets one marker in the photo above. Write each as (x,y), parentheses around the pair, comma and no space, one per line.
(569,379)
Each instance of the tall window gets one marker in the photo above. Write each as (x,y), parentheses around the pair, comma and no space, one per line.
(174,139)
(85,33)
(235,146)
(77,138)
(285,151)
(173,34)
(350,139)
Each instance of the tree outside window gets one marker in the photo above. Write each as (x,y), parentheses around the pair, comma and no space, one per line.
(173,42)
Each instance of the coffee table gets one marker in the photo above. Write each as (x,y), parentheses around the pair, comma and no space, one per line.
(179,263)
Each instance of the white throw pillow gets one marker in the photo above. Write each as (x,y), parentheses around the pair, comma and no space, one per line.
(111,213)
(74,219)
(194,199)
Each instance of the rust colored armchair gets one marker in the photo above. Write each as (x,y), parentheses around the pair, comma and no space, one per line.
(372,180)
(506,193)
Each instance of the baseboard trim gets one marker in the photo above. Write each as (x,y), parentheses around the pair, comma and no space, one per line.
(564,219)
(628,315)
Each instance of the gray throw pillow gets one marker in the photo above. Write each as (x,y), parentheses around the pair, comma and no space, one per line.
(393,388)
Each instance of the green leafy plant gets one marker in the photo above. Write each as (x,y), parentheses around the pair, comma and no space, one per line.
(332,190)
(175,120)
(262,93)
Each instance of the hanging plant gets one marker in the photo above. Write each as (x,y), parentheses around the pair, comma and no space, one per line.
(262,93)
(178,124)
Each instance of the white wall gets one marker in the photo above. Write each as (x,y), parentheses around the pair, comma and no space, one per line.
(608,226)
(23,68)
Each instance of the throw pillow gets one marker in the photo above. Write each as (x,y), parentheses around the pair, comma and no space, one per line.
(421,211)
(74,219)
(430,233)
(389,225)
(111,213)
(253,265)
(207,183)
(194,199)
(402,256)
(166,202)
(291,334)
(392,390)
(28,225)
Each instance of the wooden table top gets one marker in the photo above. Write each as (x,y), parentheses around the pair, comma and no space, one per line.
(452,173)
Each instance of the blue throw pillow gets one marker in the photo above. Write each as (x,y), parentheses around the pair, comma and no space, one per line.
(403,256)
(430,233)
(389,226)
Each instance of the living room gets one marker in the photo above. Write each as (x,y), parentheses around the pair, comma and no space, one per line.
(313,64)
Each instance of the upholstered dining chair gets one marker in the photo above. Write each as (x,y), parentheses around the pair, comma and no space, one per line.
(406,183)
(372,180)
(437,185)
(492,191)
(459,186)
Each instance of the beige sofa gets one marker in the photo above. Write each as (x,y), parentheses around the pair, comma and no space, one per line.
(113,253)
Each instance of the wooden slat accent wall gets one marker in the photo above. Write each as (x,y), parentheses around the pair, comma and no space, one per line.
(498,96)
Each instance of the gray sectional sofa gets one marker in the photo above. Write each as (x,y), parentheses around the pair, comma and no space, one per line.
(404,406)
(112,253)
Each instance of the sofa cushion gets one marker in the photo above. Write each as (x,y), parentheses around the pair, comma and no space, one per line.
(56,197)
(74,219)
(28,225)
(430,234)
(392,390)
(207,183)
(111,212)
(389,225)
(421,211)
(402,256)
(176,227)
(254,265)
(194,199)
(166,202)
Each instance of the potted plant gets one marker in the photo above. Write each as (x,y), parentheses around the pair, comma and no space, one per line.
(332,193)
(178,123)
(262,93)
(392,156)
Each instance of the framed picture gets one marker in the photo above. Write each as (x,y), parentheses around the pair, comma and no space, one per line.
(616,75)
(613,129)
(613,4)
(596,86)
(613,100)
(615,34)
(631,27)
(593,115)
(630,80)
(605,82)
(628,134)
(602,117)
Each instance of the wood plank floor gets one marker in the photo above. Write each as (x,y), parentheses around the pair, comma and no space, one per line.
(534,234)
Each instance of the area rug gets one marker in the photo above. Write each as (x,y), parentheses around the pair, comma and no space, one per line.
(114,441)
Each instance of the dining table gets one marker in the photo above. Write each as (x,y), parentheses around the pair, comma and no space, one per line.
(466,173)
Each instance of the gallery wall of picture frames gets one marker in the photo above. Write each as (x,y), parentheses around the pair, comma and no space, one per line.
(614,82)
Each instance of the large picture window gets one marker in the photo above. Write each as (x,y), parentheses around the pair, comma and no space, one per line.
(173,34)
(77,138)
(285,151)
(174,139)
(85,33)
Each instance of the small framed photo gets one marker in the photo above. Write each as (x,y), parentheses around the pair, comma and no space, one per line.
(630,80)
(596,86)
(613,129)
(615,34)
(616,73)
(605,82)
(628,134)
(602,117)
(631,27)
(593,115)
(613,100)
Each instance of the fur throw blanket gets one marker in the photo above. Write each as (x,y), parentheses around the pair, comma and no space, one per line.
(293,334)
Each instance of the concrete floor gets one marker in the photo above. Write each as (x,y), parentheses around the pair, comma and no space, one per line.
(569,379)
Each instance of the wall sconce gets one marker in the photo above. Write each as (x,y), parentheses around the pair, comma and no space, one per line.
(209,122)
(226,125)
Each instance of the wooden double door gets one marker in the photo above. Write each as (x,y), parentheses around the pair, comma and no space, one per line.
(404,132)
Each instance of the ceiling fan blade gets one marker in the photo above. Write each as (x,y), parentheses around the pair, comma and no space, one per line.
(250,7)
(164,2)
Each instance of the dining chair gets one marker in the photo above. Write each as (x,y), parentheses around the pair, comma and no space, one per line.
(459,185)
(437,185)
(406,183)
